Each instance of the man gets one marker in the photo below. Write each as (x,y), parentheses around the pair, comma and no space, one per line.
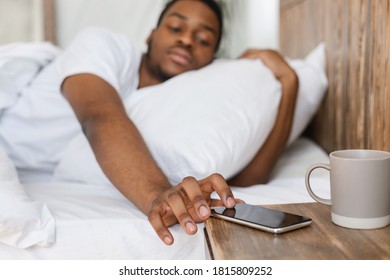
(186,38)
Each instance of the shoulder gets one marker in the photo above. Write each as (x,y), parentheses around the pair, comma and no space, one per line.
(102,52)
(102,37)
(101,45)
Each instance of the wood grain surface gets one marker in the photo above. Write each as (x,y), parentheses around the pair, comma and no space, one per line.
(356,110)
(321,240)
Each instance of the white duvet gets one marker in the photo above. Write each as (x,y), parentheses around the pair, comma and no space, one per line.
(97,222)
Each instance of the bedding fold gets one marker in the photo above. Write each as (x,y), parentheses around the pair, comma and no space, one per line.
(23,222)
(19,64)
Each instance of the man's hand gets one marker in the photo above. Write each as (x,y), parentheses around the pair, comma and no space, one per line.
(188,203)
(272,59)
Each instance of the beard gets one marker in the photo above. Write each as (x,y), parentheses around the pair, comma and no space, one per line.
(156,69)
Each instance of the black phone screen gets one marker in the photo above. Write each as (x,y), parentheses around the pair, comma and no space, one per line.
(261,216)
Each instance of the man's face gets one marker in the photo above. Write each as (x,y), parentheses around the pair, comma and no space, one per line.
(186,39)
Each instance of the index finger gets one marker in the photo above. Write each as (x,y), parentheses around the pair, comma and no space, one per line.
(216,182)
(159,227)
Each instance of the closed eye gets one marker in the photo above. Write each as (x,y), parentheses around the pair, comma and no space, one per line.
(203,42)
(174,29)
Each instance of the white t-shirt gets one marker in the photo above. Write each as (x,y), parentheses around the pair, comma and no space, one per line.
(37,129)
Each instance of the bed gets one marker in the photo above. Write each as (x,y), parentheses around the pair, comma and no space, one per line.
(96,222)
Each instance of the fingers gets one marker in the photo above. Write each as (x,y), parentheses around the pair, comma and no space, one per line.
(155,219)
(218,203)
(272,59)
(179,208)
(217,183)
(195,195)
(170,206)
(188,203)
(257,53)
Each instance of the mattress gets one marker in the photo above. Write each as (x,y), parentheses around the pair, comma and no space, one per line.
(98,222)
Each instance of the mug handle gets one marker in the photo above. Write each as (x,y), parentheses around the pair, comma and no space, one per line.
(308,187)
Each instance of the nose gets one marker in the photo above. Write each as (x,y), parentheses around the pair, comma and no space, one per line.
(186,39)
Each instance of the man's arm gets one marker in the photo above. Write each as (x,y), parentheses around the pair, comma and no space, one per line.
(127,162)
(259,169)
(116,142)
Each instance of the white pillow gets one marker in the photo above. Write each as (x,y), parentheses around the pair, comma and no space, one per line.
(313,83)
(211,120)
(23,222)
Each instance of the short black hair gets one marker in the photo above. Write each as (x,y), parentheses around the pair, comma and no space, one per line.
(213,5)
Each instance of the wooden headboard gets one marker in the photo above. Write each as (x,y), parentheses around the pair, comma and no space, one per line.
(356,110)
(49,21)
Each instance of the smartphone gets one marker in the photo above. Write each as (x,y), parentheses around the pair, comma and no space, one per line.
(262,218)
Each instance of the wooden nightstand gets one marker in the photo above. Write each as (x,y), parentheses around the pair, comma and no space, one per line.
(321,240)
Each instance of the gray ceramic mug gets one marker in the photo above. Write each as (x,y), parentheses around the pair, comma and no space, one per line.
(359,188)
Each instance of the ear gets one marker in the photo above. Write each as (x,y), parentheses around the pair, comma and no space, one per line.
(150,37)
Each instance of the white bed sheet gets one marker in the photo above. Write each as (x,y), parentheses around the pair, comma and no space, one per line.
(97,222)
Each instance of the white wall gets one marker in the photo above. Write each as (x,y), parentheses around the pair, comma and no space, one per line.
(254,23)
(263,17)
(20,20)
(134,18)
